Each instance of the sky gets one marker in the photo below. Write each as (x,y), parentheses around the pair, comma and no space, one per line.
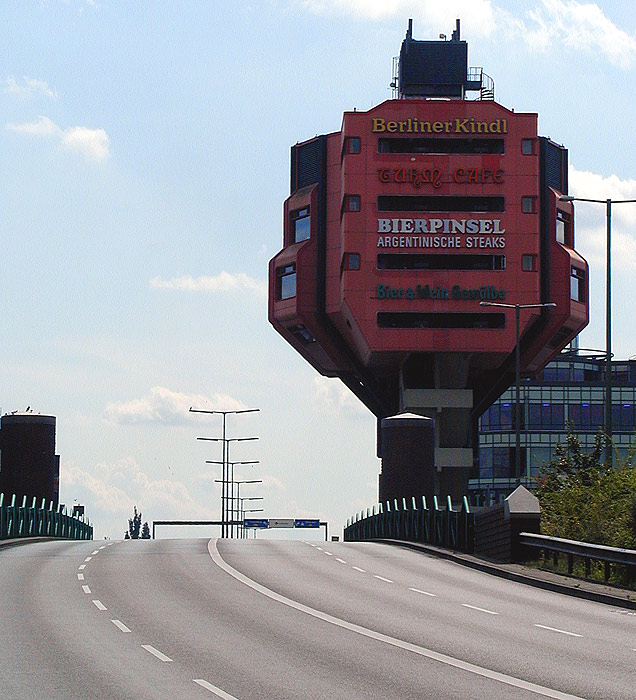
(145,161)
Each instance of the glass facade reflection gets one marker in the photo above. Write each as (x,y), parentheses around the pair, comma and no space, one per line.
(569,391)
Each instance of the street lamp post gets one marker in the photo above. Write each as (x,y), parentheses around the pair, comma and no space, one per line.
(238,488)
(238,498)
(251,510)
(224,527)
(243,510)
(226,483)
(608,310)
(517,308)
(228,478)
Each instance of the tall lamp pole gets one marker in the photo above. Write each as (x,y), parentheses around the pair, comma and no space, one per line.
(608,309)
(517,308)
(227,483)
(241,508)
(224,527)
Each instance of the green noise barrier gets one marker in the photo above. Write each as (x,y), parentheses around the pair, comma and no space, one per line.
(17,521)
(436,525)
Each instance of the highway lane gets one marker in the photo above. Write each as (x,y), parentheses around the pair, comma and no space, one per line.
(163,619)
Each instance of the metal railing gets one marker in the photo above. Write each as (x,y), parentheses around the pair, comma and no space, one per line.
(583,550)
(436,525)
(24,520)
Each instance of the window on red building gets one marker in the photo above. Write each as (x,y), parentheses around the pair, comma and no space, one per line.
(351,261)
(527,147)
(286,281)
(352,202)
(300,224)
(353,144)
(527,205)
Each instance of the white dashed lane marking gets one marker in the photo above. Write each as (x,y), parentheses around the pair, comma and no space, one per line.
(155,652)
(387,580)
(99,605)
(86,589)
(213,689)
(417,590)
(554,629)
(80,577)
(474,607)
(357,568)
(120,625)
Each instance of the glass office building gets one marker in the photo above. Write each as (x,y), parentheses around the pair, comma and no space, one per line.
(569,391)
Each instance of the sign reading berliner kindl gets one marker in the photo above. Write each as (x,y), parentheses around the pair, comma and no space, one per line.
(458,125)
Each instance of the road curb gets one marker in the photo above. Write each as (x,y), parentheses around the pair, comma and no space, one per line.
(549,581)
(5,544)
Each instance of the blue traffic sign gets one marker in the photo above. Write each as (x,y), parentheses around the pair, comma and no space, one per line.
(262,524)
(306,523)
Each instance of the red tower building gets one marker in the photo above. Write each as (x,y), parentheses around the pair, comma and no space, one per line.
(399,224)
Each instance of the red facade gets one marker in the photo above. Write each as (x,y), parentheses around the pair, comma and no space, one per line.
(419,210)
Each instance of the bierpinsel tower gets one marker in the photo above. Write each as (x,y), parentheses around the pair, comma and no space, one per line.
(396,230)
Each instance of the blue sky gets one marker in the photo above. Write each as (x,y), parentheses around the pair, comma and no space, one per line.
(146,158)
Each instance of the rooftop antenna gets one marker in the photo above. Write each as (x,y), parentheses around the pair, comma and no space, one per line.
(455,34)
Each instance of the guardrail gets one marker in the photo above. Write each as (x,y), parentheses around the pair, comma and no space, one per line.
(444,527)
(30,521)
(584,550)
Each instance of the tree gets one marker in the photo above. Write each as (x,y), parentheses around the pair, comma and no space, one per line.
(145,531)
(583,498)
(134,525)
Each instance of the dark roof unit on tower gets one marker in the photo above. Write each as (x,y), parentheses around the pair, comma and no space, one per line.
(438,68)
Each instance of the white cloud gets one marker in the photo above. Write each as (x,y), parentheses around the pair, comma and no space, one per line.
(42,126)
(579,26)
(590,225)
(223,282)
(29,87)
(162,405)
(111,491)
(93,144)
(476,14)
(331,394)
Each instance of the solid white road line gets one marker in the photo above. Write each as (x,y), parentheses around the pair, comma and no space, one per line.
(120,625)
(86,589)
(554,629)
(474,607)
(386,639)
(80,577)
(213,689)
(388,580)
(417,590)
(156,652)
(342,561)
(357,568)
(99,605)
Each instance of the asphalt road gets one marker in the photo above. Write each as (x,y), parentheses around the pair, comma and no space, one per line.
(269,620)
